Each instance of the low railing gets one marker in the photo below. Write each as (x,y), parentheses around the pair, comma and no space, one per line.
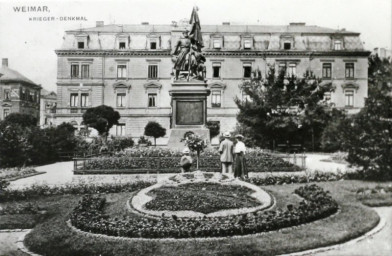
(297,159)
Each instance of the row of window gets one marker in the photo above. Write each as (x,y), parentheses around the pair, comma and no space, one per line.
(25,94)
(217,44)
(291,69)
(83,71)
(123,45)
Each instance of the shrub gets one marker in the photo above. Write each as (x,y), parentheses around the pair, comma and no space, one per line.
(155,130)
(144,140)
(317,203)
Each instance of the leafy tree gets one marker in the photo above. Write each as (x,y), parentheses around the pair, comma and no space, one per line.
(332,136)
(101,118)
(368,138)
(281,108)
(14,144)
(214,128)
(22,119)
(155,130)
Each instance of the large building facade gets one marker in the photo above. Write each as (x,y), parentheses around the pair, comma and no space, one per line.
(18,94)
(130,68)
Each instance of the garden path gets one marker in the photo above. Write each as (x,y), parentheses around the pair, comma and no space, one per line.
(313,162)
(379,244)
(61,173)
(8,241)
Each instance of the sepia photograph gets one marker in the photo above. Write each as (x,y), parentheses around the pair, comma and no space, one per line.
(195,127)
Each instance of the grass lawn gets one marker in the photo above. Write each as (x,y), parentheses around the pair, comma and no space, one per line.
(52,236)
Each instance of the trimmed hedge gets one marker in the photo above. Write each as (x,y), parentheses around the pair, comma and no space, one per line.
(88,216)
(168,161)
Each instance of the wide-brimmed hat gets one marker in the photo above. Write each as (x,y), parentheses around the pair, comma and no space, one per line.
(239,136)
(186,150)
(226,135)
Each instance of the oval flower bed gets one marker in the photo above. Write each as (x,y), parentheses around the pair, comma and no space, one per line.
(201,197)
(88,216)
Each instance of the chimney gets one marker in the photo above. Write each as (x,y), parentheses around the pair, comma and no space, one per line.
(145,23)
(4,62)
(226,23)
(297,23)
(99,24)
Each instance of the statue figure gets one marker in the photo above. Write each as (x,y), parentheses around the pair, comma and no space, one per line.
(187,53)
(182,52)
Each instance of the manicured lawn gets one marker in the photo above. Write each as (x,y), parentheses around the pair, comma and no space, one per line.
(201,197)
(52,236)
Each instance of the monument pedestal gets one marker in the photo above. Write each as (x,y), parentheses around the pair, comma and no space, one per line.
(189,111)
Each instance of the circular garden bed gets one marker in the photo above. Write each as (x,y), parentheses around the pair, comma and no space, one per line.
(201,197)
(202,209)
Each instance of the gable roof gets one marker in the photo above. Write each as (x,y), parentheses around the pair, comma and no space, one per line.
(10,75)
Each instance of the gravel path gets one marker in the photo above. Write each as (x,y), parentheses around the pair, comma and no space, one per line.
(313,162)
(8,245)
(378,245)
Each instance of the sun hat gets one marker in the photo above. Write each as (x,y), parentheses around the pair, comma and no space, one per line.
(186,150)
(239,136)
(227,135)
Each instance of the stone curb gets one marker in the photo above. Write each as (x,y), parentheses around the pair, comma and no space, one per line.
(141,199)
(381,224)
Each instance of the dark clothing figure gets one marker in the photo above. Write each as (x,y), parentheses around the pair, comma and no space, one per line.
(240,165)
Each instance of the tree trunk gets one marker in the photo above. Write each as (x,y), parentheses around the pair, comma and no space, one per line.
(197,160)
(155,141)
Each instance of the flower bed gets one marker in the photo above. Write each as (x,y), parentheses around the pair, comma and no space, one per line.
(200,197)
(88,216)
(11,174)
(45,190)
(168,161)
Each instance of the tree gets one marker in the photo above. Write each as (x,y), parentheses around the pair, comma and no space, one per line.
(101,118)
(155,130)
(14,144)
(368,138)
(21,119)
(281,108)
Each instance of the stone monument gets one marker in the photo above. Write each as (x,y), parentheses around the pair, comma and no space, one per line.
(189,88)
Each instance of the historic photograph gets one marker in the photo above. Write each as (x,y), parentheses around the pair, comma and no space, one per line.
(204,127)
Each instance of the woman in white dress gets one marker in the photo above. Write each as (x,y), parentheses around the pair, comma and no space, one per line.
(239,158)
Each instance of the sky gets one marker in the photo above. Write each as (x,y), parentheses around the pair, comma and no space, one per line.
(30,45)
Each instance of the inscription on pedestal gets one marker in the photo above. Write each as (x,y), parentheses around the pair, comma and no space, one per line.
(189,113)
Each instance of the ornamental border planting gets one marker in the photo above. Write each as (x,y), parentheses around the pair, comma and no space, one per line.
(317,204)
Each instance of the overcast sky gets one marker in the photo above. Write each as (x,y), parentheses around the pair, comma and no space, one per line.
(30,45)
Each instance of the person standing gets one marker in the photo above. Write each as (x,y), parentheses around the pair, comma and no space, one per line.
(239,158)
(226,152)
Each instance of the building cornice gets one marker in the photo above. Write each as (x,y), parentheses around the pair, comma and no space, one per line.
(97,52)
(215,53)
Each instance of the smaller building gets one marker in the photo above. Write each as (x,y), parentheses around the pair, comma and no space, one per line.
(18,94)
(382,52)
(48,106)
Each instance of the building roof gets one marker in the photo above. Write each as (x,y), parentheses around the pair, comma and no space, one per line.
(296,28)
(10,75)
(48,94)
